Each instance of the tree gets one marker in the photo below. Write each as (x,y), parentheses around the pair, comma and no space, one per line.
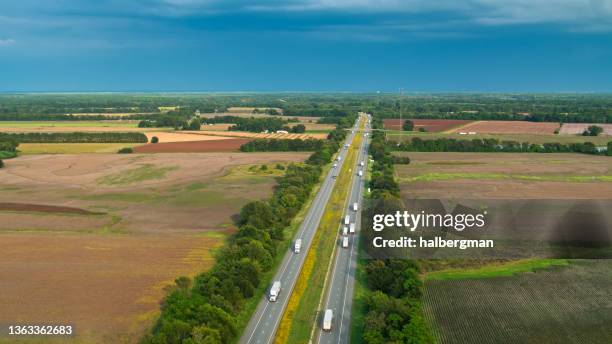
(609,151)
(125,150)
(195,124)
(1,164)
(300,128)
(154,139)
(408,125)
(593,130)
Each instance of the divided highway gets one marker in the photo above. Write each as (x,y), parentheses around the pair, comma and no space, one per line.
(341,285)
(262,327)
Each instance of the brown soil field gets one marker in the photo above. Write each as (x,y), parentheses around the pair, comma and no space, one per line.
(431,125)
(505,176)
(509,127)
(107,287)
(218,145)
(179,136)
(157,216)
(579,128)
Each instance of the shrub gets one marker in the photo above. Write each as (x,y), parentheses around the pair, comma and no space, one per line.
(593,130)
(408,125)
(125,150)
(154,139)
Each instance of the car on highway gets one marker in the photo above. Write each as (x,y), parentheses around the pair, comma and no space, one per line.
(347,220)
(352,228)
(297,246)
(355,206)
(345,230)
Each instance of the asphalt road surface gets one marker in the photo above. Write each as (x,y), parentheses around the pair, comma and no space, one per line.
(262,327)
(341,285)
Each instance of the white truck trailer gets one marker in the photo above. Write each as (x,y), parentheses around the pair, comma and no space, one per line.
(360,173)
(347,220)
(328,317)
(352,228)
(297,246)
(275,291)
(355,206)
(345,242)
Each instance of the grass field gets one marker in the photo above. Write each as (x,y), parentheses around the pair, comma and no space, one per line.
(505,175)
(106,265)
(71,148)
(300,315)
(505,269)
(560,304)
(531,138)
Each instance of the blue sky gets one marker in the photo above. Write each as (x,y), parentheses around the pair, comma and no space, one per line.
(306,45)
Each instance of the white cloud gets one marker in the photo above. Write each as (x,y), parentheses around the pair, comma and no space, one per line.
(6,42)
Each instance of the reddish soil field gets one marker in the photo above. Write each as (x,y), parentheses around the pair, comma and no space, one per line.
(431,125)
(224,145)
(510,127)
(578,128)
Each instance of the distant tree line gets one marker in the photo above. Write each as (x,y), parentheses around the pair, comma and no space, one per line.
(257,125)
(176,122)
(492,145)
(76,137)
(282,145)
(206,309)
(393,300)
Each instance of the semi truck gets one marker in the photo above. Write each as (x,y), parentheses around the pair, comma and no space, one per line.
(345,242)
(355,206)
(345,230)
(327,320)
(360,173)
(347,220)
(297,246)
(275,291)
(352,228)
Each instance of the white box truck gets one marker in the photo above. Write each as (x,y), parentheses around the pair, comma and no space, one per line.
(355,206)
(345,230)
(347,220)
(345,242)
(352,228)
(328,317)
(275,290)
(361,163)
(297,246)
(360,173)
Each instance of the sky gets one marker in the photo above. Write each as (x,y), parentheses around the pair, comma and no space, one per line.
(306,45)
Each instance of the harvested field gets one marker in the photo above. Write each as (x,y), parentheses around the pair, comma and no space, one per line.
(107,287)
(579,128)
(219,145)
(431,125)
(180,136)
(216,127)
(509,127)
(560,305)
(506,176)
(105,234)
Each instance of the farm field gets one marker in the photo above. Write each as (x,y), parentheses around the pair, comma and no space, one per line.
(579,128)
(70,126)
(181,136)
(222,144)
(431,125)
(245,134)
(567,304)
(531,138)
(509,127)
(505,176)
(106,233)
(71,148)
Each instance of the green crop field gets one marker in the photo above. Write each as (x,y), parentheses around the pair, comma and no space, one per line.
(560,304)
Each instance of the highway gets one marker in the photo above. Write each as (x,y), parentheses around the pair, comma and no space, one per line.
(340,287)
(263,325)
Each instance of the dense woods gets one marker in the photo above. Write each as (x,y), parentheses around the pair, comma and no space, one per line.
(281,145)
(76,137)
(206,309)
(493,145)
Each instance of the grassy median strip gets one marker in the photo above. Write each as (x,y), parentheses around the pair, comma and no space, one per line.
(300,314)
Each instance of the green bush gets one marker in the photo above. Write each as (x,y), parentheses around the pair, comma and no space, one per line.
(1,164)
(125,150)
(154,139)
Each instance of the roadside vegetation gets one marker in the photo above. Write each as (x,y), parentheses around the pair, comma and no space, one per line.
(206,309)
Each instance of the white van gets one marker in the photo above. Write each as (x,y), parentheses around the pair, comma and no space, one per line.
(297,246)
(345,243)
(327,320)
